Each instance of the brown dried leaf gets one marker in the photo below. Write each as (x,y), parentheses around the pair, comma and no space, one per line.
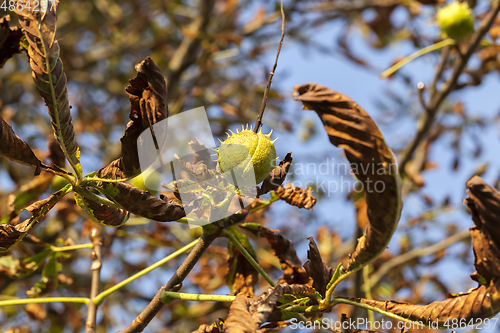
(48,73)
(143,203)
(16,149)
(248,314)
(317,269)
(276,176)
(293,273)
(148,105)
(296,196)
(108,216)
(350,127)
(239,319)
(482,302)
(201,154)
(265,303)
(484,203)
(9,40)
(10,234)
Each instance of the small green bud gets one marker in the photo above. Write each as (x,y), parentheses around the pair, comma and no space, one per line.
(246,151)
(456,20)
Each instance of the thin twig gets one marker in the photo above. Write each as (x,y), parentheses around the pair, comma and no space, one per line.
(21,301)
(439,96)
(99,298)
(187,52)
(145,317)
(169,296)
(440,69)
(95,237)
(258,123)
(416,253)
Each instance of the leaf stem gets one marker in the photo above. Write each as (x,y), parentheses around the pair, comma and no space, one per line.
(98,299)
(20,301)
(249,257)
(367,288)
(417,54)
(71,247)
(168,296)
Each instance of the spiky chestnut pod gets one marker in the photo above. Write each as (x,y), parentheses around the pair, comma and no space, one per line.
(245,151)
(456,20)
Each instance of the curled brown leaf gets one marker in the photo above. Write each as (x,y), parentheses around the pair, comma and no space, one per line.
(48,74)
(9,40)
(484,203)
(11,234)
(201,154)
(16,149)
(276,176)
(480,303)
(296,196)
(350,127)
(148,105)
(317,269)
(143,203)
(108,216)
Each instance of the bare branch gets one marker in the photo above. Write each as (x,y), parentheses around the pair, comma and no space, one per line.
(427,118)
(95,237)
(145,317)
(258,123)
(416,253)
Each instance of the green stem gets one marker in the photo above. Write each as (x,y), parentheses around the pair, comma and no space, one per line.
(304,308)
(70,248)
(337,300)
(327,300)
(368,292)
(69,176)
(417,54)
(94,197)
(264,203)
(193,221)
(168,296)
(104,180)
(98,299)
(20,301)
(247,255)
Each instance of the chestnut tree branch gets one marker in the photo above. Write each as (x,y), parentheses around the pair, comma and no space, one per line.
(438,96)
